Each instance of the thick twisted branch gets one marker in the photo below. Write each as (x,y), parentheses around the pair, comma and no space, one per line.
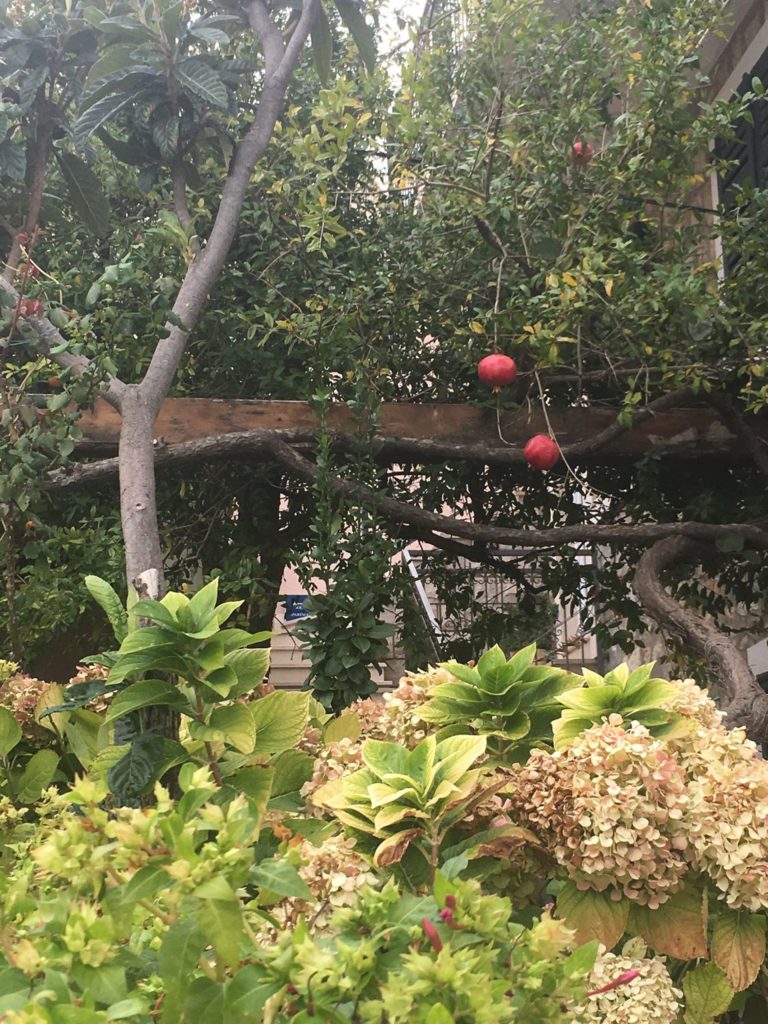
(747,703)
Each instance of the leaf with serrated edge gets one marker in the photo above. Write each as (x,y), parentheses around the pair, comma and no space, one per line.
(738,945)
(593,915)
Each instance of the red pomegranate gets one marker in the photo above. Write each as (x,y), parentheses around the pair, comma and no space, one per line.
(581,152)
(496,370)
(31,307)
(541,452)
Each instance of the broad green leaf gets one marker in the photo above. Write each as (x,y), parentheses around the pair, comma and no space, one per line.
(10,732)
(127,1009)
(202,605)
(281,719)
(177,959)
(593,915)
(738,945)
(708,993)
(291,769)
(201,82)
(147,608)
(203,1003)
(37,775)
(247,993)
(492,660)
(281,878)
(222,680)
(592,701)
(346,726)
(250,666)
(236,723)
(83,735)
(85,193)
(147,693)
(222,924)
(105,760)
(105,595)
(98,115)
(254,782)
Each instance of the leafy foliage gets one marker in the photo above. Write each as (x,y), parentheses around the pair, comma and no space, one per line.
(507,700)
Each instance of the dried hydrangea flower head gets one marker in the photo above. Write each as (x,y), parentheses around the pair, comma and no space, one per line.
(20,694)
(611,808)
(650,995)
(334,872)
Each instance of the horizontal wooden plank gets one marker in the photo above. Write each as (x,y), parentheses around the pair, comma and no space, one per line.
(689,433)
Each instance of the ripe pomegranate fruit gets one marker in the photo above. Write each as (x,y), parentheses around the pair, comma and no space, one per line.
(54,382)
(496,370)
(541,452)
(581,152)
(31,307)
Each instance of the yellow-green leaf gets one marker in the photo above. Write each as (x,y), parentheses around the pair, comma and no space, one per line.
(738,946)
(708,993)
(593,915)
(678,928)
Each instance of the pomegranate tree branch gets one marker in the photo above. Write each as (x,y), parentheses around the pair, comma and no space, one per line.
(630,533)
(746,702)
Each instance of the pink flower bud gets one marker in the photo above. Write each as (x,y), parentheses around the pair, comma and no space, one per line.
(623,979)
(431,932)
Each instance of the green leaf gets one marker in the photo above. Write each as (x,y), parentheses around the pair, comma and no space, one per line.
(251,666)
(105,760)
(137,768)
(221,923)
(10,732)
(281,878)
(281,719)
(146,693)
(235,722)
(738,945)
(177,959)
(37,775)
(105,595)
(360,30)
(247,993)
(346,726)
(204,1002)
(322,46)
(256,783)
(85,193)
(593,915)
(707,994)
(291,769)
(201,81)
(97,116)
(203,604)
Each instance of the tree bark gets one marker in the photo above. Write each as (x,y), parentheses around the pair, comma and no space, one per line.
(138,505)
(746,702)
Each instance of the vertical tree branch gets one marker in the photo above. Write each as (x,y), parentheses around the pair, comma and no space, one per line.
(202,274)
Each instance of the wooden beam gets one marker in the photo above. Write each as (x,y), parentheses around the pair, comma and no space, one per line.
(684,433)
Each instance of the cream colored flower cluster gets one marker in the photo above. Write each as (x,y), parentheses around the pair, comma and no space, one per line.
(650,997)
(335,873)
(612,808)
(727,815)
